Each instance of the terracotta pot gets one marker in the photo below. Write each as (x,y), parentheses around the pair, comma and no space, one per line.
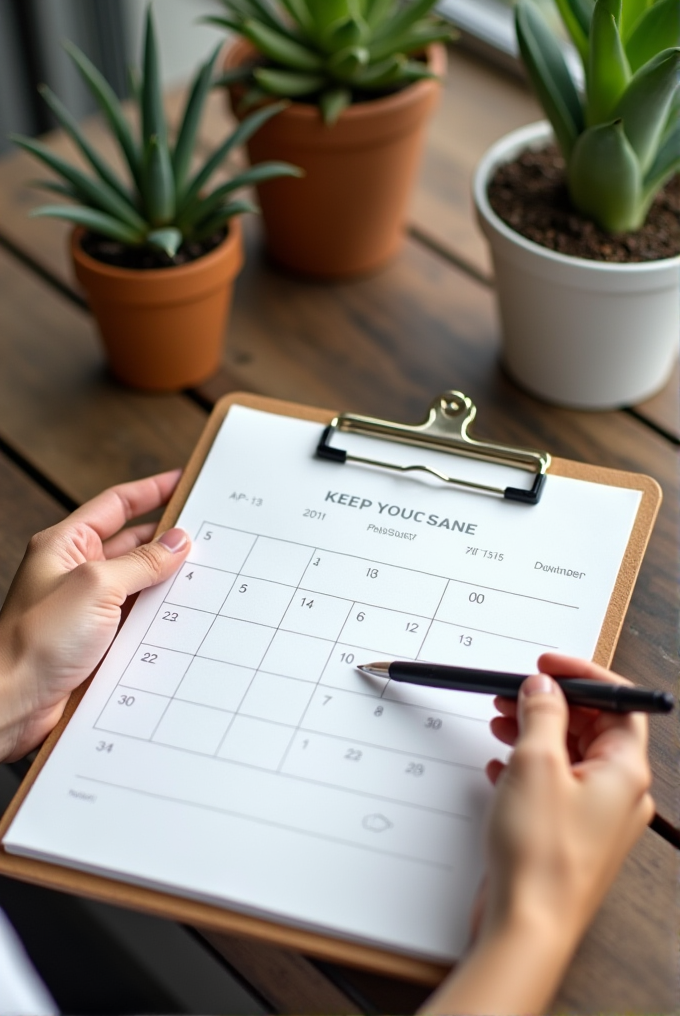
(346,216)
(163,328)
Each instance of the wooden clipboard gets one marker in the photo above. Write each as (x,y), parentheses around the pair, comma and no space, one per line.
(214,918)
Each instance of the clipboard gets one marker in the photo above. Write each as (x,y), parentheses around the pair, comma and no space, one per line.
(446,426)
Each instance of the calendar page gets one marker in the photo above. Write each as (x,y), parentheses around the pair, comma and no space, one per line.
(230,751)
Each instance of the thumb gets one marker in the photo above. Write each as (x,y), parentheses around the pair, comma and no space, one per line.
(542,714)
(150,563)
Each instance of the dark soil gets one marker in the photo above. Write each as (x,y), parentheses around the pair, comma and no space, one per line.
(119,254)
(530,195)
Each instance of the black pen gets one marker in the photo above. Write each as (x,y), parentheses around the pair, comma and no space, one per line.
(611,698)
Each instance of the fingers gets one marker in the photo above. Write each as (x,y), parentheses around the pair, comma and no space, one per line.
(542,717)
(147,564)
(128,539)
(494,770)
(110,510)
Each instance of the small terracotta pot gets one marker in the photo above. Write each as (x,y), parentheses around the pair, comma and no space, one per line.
(163,329)
(346,216)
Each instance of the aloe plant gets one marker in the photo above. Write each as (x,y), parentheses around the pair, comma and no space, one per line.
(621,137)
(163,202)
(332,50)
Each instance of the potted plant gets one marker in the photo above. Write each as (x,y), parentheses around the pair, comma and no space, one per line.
(157,253)
(588,267)
(362,77)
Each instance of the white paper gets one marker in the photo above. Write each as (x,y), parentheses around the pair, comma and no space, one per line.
(229,750)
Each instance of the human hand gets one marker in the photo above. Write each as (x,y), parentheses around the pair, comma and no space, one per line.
(568,807)
(64,606)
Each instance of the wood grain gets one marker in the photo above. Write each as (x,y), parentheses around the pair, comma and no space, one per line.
(59,408)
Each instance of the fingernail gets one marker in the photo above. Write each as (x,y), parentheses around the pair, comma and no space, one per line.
(538,684)
(174,540)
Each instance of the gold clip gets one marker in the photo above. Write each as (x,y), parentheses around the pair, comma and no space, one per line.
(445,429)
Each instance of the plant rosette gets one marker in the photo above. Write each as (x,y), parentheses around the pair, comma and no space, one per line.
(162,328)
(346,215)
(578,333)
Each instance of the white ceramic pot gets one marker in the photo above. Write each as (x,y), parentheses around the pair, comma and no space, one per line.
(580,333)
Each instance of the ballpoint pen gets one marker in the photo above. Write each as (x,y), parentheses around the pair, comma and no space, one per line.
(613,698)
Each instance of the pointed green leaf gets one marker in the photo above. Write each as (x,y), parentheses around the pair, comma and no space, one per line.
(110,106)
(289,83)
(325,13)
(186,138)
(608,72)
(345,64)
(576,15)
(263,171)
(168,240)
(404,17)
(97,222)
(376,11)
(645,105)
(333,102)
(345,35)
(218,220)
(64,189)
(153,115)
(630,12)
(159,184)
(380,72)
(70,126)
(280,49)
(415,39)
(549,75)
(299,12)
(656,30)
(91,192)
(234,76)
(666,163)
(244,131)
(604,178)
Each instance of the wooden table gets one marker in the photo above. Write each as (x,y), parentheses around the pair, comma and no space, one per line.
(383,346)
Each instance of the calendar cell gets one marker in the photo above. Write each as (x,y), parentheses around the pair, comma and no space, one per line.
(132,712)
(467,647)
(281,699)
(385,631)
(439,701)
(519,617)
(396,776)
(211,683)
(239,642)
(257,600)
(219,547)
(178,628)
(255,742)
(201,588)
(278,561)
(341,671)
(292,655)
(387,724)
(373,583)
(196,728)
(315,614)
(157,670)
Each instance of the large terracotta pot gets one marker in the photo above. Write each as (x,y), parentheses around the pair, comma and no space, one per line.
(163,328)
(346,216)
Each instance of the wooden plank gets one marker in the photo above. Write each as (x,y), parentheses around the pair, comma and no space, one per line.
(25,509)
(59,408)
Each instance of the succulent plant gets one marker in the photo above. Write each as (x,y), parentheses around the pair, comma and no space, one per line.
(164,202)
(332,50)
(621,137)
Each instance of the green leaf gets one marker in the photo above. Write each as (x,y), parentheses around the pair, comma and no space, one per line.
(299,12)
(605,180)
(376,11)
(345,64)
(168,240)
(417,38)
(91,219)
(216,221)
(645,105)
(159,184)
(288,83)
(666,162)
(325,13)
(253,176)
(576,15)
(631,10)
(333,102)
(70,126)
(234,76)
(64,189)
(549,75)
(405,17)
(379,73)
(91,192)
(153,115)
(608,72)
(345,35)
(656,30)
(280,49)
(186,138)
(108,103)
(244,131)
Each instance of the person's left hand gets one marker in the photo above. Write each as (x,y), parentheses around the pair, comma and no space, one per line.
(64,606)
